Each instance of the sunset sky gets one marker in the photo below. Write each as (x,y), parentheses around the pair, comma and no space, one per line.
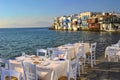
(40,13)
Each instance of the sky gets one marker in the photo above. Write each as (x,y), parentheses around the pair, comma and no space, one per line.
(40,13)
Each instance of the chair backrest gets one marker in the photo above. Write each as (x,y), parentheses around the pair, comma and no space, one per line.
(112,51)
(30,72)
(93,48)
(57,53)
(71,53)
(4,63)
(42,52)
(10,74)
(72,69)
(54,52)
(24,54)
(45,71)
(81,52)
(50,51)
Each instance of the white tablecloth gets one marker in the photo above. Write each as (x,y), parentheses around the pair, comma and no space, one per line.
(114,50)
(116,45)
(58,68)
(72,50)
(69,48)
(86,47)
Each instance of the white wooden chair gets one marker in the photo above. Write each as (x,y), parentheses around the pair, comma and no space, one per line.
(56,53)
(93,54)
(30,72)
(112,54)
(10,74)
(50,51)
(24,54)
(4,63)
(42,52)
(0,72)
(116,45)
(72,72)
(81,58)
(43,72)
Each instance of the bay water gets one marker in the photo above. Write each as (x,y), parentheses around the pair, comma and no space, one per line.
(14,41)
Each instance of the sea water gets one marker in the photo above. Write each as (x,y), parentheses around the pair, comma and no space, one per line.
(14,41)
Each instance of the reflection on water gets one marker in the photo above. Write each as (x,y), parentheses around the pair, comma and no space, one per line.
(15,41)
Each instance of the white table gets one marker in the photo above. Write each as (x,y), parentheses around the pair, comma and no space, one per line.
(57,68)
(72,49)
(112,52)
(114,49)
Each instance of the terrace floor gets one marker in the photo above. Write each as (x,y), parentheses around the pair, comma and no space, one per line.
(103,70)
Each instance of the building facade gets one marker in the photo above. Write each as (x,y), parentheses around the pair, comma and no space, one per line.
(88,21)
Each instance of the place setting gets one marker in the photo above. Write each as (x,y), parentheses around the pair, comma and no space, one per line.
(40,61)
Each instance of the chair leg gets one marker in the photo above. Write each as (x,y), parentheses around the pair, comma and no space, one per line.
(84,62)
(82,67)
(79,70)
(91,62)
(109,58)
(68,76)
(89,59)
(75,77)
(52,75)
(115,58)
(94,60)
